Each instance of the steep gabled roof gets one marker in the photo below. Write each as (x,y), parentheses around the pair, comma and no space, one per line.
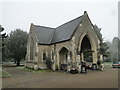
(47,35)
(65,31)
(44,34)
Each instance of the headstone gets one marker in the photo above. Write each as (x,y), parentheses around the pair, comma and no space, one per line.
(83,68)
(94,67)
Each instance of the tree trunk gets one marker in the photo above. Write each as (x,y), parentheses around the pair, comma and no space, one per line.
(14,62)
(18,63)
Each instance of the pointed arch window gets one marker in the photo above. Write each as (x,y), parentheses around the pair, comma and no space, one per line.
(44,56)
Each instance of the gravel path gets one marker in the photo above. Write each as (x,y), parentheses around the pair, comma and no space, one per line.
(94,79)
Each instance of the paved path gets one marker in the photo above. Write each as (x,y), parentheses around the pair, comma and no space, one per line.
(94,79)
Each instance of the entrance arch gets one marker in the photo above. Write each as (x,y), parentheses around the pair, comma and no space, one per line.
(88,39)
(63,55)
(86,49)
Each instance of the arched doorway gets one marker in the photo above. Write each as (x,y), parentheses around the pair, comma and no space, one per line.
(63,54)
(86,49)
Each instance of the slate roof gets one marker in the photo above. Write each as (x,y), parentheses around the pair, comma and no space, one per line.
(47,35)
(44,34)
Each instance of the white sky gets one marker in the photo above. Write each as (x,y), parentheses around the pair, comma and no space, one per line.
(52,13)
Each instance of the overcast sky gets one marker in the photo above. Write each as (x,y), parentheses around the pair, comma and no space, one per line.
(54,13)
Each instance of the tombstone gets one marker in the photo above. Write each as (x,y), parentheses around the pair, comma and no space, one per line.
(94,67)
(83,68)
(99,64)
(79,68)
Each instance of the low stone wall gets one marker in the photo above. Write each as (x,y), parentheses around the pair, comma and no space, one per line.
(39,65)
(29,65)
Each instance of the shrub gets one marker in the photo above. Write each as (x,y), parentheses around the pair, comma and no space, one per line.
(48,63)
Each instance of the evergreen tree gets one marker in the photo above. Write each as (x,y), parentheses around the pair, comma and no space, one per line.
(17,43)
(103,45)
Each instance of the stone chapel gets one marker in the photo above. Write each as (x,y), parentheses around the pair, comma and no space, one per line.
(66,45)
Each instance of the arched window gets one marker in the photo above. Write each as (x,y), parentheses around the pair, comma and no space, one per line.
(44,56)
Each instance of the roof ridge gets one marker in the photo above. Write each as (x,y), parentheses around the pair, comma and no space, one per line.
(60,25)
(44,27)
(69,21)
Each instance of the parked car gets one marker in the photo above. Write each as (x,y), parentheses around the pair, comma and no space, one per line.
(116,64)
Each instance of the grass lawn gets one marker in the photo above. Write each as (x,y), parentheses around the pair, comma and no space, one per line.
(108,63)
(3,73)
(31,70)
